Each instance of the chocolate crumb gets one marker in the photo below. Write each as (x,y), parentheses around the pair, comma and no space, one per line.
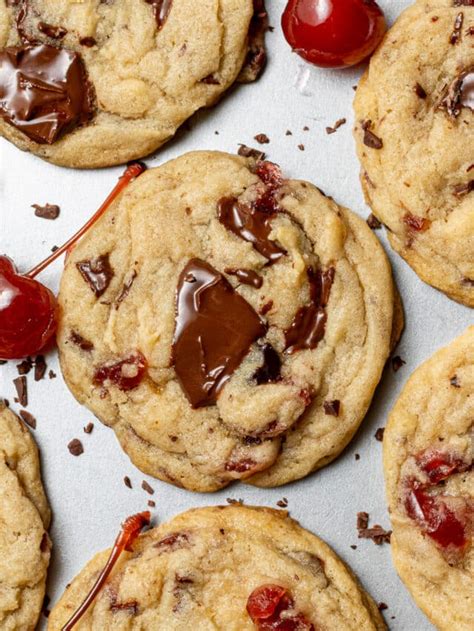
(332,408)
(354,547)
(3,362)
(306,128)
(357,456)
(262,139)
(146,487)
(373,222)
(89,42)
(75,447)
(40,367)
(335,127)
(88,428)
(456,34)
(283,503)
(397,363)
(420,91)
(54,248)
(22,390)
(379,434)
(301,147)
(435,18)
(288,133)
(249,152)
(233,502)
(25,366)
(454,381)
(377,534)
(48,211)
(362,520)
(382,606)
(28,418)
(127,482)
(52,374)
(54,32)
(370,139)
(151,504)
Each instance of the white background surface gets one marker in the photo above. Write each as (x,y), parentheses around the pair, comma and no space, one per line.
(87,494)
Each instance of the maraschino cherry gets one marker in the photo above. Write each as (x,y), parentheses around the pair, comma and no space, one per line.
(28,309)
(333,33)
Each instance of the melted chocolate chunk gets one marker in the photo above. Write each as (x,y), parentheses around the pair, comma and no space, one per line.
(214,330)
(332,408)
(161,9)
(463,189)
(270,372)
(463,3)
(252,222)
(459,94)
(97,273)
(44,91)
(246,276)
(54,32)
(309,323)
(88,42)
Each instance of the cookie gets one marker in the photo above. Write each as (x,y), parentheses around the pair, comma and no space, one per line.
(108,82)
(24,520)
(428,462)
(414,109)
(216,568)
(226,322)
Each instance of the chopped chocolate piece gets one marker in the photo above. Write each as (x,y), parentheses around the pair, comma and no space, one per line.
(335,127)
(397,363)
(40,367)
(210,80)
(233,502)
(3,362)
(173,541)
(309,323)
(213,334)
(97,273)
(25,366)
(54,32)
(249,152)
(266,308)
(357,456)
(48,211)
(468,281)
(44,91)
(22,390)
(89,42)
(377,534)
(382,606)
(456,34)
(246,276)
(362,520)
(151,504)
(89,428)
(125,289)
(28,418)
(420,91)
(370,139)
(416,223)
(306,128)
(463,189)
(283,503)
(435,18)
(54,248)
(373,222)
(127,482)
(75,447)
(270,371)
(263,139)
(459,94)
(354,547)
(161,9)
(52,374)
(332,408)
(454,381)
(379,434)
(301,147)
(288,133)
(78,340)
(146,487)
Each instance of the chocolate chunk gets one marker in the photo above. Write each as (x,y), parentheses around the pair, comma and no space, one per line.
(420,91)
(44,91)
(459,94)
(463,189)
(373,222)
(397,363)
(246,276)
(256,57)
(362,520)
(97,273)
(146,487)
(335,127)
(214,330)
(127,482)
(126,289)
(252,222)
(266,307)
(288,133)
(357,456)
(263,139)
(270,371)
(80,341)
(48,211)
(22,391)
(382,606)
(161,9)
(75,447)
(28,418)
(379,434)
(332,408)
(52,374)
(463,3)
(88,429)
(249,152)
(25,366)
(54,32)
(370,139)
(309,323)
(40,367)
(457,31)
(89,42)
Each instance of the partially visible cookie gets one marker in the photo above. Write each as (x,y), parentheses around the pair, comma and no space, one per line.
(108,82)
(428,462)
(218,568)
(226,322)
(415,140)
(24,520)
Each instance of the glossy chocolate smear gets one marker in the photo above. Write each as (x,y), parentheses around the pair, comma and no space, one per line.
(252,222)
(460,94)
(309,323)
(44,91)
(246,276)
(161,9)
(270,371)
(97,273)
(214,330)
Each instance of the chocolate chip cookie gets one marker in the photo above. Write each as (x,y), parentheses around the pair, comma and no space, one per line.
(96,83)
(225,568)
(226,322)
(415,139)
(428,461)
(24,520)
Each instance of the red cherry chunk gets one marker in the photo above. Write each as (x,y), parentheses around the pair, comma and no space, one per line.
(271,608)
(333,33)
(440,465)
(28,313)
(126,374)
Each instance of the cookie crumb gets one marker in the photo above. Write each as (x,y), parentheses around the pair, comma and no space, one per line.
(28,418)
(75,447)
(48,211)
(262,139)
(146,487)
(379,434)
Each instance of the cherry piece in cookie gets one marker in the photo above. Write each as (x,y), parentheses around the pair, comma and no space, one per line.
(271,608)
(333,33)
(126,374)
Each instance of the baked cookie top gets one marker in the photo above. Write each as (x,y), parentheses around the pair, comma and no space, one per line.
(220,568)
(428,458)
(415,139)
(94,83)
(24,520)
(225,322)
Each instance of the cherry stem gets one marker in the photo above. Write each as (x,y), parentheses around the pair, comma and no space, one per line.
(132,172)
(131,528)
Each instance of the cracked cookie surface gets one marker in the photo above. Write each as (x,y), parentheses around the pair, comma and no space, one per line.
(24,520)
(227,323)
(201,568)
(428,464)
(415,139)
(141,71)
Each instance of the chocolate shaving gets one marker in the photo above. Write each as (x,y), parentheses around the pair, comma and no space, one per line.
(97,273)
(40,367)
(332,408)
(75,447)
(77,339)
(22,390)
(28,418)
(457,31)
(249,152)
(48,211)
(335,127)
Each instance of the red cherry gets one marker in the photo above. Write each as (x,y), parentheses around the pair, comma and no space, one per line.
(333,33)
(28,310)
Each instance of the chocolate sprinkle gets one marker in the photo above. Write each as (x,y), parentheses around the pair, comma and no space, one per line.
(97,273)
(48,211)
(28,418)
(270,371)
(22,391)
(75,447)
